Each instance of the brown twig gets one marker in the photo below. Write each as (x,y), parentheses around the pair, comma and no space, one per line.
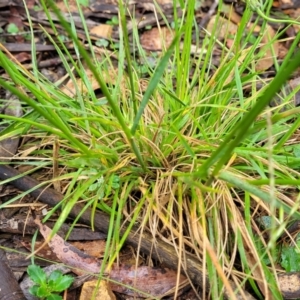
(15,47)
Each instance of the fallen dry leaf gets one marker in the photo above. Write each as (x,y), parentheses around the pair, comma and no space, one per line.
(104,291)
(68,254)
(102,30)
(152,281)
(282,51)
(22,57)
(109,76)
(267,60)
(223,29)
(94,248)
(231,14)
(157,39)
(44,252)
(71,7)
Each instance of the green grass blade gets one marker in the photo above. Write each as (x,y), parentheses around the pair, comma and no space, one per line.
(154,82)
(112,102)
(245,186)
(233,139)
(125,35)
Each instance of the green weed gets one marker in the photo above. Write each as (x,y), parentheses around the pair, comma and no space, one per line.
(47,287)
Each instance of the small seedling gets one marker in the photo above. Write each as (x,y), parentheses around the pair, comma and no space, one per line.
(287,255)
(12,28)
(102,43)
(47,287)
(84,3)
(114,21)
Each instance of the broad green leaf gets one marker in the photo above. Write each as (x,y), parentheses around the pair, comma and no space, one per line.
(42,291)
(53,279)
(62,283)
(36,274)
(54,297)
(296,150)
(84,2)
(12,28)
(290,258)
(102,43)
(33,290)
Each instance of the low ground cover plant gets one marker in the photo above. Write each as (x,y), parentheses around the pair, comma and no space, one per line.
(48,287)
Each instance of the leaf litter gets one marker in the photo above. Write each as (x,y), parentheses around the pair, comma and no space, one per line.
(148,280)
(152,40)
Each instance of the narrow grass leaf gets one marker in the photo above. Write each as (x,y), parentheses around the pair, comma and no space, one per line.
(245,186)
(154,82)
(125,36)
(113,104)
(222,154)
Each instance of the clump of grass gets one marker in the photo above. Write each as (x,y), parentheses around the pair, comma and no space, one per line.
(193,160)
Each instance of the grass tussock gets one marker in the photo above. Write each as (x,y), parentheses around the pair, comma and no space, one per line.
(189,151)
